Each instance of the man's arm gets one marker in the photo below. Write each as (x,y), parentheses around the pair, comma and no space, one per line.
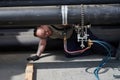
(41,48)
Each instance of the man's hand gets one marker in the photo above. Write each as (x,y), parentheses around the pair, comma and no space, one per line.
(33,58)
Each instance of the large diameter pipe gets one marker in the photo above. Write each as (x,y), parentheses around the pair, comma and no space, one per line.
(93,14)
(54,2)
(24,37)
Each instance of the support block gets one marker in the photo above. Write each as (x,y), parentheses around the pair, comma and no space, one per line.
(29,71)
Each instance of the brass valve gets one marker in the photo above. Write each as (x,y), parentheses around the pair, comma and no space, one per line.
(90,43)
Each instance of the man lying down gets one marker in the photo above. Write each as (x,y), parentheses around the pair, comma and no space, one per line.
(72,47)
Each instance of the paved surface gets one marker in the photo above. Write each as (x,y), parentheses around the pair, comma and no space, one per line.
(54,66)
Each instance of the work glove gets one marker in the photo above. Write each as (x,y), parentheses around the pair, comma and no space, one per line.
(33,58)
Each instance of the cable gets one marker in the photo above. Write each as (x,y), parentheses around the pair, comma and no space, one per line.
(102,43)
(104,61)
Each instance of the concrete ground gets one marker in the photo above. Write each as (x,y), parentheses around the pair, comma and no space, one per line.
(53,65)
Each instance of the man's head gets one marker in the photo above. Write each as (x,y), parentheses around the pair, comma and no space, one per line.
(43,31)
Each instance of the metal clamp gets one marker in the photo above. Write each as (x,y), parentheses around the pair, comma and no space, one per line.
(64,11)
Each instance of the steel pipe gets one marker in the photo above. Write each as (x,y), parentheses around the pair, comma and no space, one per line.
(24,37)
(93,14)
(4,3)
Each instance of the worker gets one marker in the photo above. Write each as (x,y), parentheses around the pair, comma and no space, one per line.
(45,31)
(56,31)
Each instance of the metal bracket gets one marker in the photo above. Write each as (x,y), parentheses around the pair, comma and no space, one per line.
(82,35)
(64,11)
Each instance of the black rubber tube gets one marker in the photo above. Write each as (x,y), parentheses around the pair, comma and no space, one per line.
(94,14)
(4,3)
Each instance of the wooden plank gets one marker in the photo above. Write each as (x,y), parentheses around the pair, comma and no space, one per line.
(29,71)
